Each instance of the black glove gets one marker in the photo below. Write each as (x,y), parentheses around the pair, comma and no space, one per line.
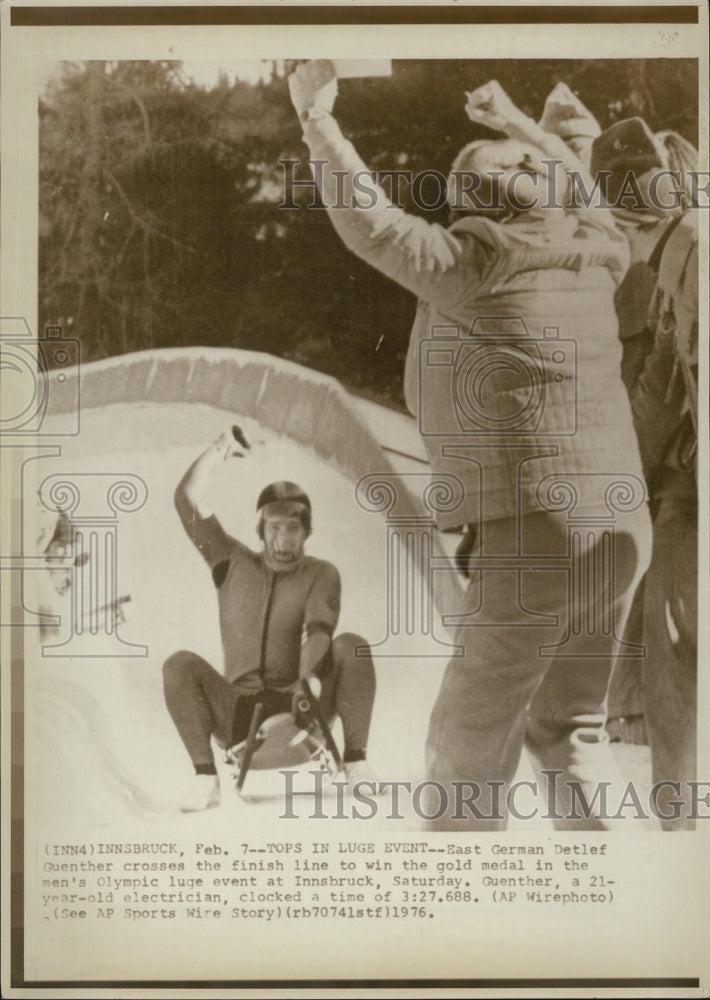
(300,702)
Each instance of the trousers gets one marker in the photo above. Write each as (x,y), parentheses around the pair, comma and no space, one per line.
(669,673)
(202,704)
(536,667)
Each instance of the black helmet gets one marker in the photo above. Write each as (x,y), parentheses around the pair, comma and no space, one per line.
(284,498)
(277,492)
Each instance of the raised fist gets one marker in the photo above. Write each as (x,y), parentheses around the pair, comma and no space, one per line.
(313,84)
(490,105)
(227,443)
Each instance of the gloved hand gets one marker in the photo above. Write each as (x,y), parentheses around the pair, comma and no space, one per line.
(298,696)
(490,105)
(230,443)
(313,85)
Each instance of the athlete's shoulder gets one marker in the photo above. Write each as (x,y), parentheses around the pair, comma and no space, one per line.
(237,555)
(238,550)
(317,567)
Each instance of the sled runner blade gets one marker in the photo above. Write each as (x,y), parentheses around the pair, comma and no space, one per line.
(250,746)
(313,711)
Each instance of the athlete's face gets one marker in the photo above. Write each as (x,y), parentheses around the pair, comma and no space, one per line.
(284,540)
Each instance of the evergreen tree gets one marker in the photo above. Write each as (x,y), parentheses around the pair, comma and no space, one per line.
(160,222)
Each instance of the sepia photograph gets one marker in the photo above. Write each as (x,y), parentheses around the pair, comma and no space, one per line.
(354,465)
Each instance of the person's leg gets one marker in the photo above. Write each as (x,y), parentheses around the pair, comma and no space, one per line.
(477,726)
(480,719)
(566,729)
(349,691)
(201,703)
(670,669)
(566,733)
(625,722)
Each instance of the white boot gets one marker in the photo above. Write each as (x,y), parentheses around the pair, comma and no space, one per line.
(203,793)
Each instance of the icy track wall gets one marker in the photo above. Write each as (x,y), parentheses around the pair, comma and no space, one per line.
(305,406)
(312,409)
(80,711)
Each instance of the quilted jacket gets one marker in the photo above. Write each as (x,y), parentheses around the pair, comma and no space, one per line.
(513,369)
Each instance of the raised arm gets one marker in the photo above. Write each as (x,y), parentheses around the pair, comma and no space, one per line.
(424,257)
(202,527)
(489,105)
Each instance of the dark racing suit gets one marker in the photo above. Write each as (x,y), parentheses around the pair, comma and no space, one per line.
(264,618)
